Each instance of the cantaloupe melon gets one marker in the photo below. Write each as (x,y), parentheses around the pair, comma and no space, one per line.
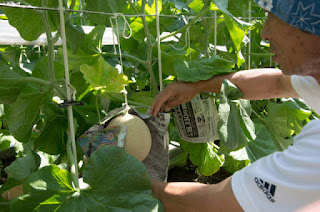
(138,137)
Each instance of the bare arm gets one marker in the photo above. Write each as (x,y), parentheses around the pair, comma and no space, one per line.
(254,84)
(192,197)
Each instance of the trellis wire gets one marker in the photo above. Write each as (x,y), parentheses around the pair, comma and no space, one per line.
(106,13)
(74,166)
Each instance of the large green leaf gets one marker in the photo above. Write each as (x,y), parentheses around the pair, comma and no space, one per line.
(169,55)
(223,6)
(117,182)
(103,76)
(110,6)
(296,114)
(236,160)
(23,114)
(235,127)
(23,167)
(203,155)
(144,97)
(236,33)
(210,161)
(41,69)
(30,30)
(53,135)
(262,145)
(202,69)
(9,90)
(79,58)
(41,186)
(75,36)
(283,120)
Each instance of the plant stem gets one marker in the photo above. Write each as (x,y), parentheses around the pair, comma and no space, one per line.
(45,20)
(149,51)
(72,130)
(133,7)
(203,12)
(255,113)
(29,79)
(214,145)
(142,62)
(97,106)
(39,81)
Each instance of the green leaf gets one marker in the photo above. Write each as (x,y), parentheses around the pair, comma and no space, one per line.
(53,136)
(77,59)
(237,34)
(230,91)
(126,176)
(223,6)
(9,90)
(283,120)
(102,76)
(235,127)
(196,5)
(30,30)
(296,114)
(203,155)
(236,160)
(177,3)
(75,35)
(11,55)
(144,97)
(5,140)
(110,6)
(229,127)
(117,182)
(202,69)
(262,145)
(211,161)
(23,167)
(41,69)
(23,114)
(93,41)
(41,186)
(78,82)
(169,55)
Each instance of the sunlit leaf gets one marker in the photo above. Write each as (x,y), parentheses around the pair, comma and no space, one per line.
(103,76)
(202,69)
(117,182)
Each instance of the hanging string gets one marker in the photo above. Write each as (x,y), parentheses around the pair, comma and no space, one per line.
(126,25)
(187,40)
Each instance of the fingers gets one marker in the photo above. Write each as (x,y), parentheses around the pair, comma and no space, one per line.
(160,100)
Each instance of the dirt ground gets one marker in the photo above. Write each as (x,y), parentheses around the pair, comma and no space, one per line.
(188,174)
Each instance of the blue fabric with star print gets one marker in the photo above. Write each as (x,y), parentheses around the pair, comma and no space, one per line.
(302,14)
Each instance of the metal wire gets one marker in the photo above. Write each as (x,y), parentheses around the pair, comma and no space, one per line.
(110,14)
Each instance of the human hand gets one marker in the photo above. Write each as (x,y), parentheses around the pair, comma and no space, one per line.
(174,94)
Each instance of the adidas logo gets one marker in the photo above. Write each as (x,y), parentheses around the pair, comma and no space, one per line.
(267,188)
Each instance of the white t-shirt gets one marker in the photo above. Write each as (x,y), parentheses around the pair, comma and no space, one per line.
(288,180)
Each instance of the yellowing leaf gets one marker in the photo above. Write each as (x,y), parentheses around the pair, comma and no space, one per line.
(102,76)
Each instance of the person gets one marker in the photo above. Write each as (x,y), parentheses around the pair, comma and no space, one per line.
(282,181)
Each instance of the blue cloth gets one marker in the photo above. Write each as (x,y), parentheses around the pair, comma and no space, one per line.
(302,14)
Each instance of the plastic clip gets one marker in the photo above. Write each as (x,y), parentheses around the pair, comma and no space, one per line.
(68,103)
